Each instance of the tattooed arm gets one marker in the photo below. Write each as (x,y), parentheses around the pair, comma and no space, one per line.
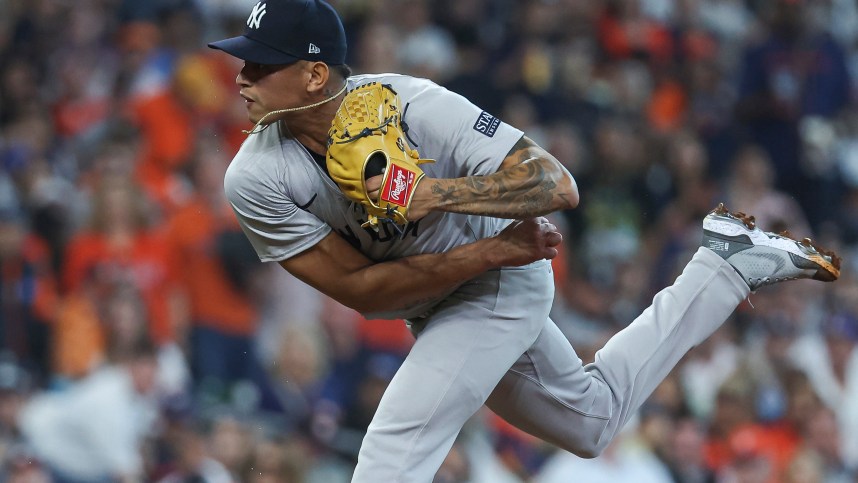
(530,182)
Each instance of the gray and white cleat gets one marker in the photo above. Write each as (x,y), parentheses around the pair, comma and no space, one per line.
(764,258)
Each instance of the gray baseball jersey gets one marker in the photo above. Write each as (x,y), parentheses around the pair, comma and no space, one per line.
(490,341)
(286,203)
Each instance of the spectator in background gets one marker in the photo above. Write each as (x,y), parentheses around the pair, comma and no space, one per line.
(733,411)
(626,32)
(710,108)
(768,362)
(751,184)
(706,368)
(122,244)
(830,360)
(683,191)
(28,293)
(278,460)
(223,282)
(794,72)
(623,460)
(455,468)
(18,463)
(424,49)
(822,437)
(94,431)
(231,443)
(123,320)
(28,154)
(349,398)
(193,461)
(684,455)
(750,462)
(298,374)
(118,247)
(377,47)
(613,218)
(20,89)
(742,443)
(15,388)
(83,76)
(21,466)
(151,91)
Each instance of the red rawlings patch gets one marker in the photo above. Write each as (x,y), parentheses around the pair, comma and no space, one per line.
(397,189)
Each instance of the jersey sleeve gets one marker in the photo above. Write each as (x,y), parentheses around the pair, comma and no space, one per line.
(464,139)
(275,226)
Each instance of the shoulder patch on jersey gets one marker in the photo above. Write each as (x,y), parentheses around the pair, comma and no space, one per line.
(486,124)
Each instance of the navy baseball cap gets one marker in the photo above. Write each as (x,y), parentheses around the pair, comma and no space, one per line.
(285,31)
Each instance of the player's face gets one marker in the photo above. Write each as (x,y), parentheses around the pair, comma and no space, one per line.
(267,88)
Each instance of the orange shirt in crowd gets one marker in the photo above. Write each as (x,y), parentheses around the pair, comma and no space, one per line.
(623,38)
(777,444)
(667,106)
(214,301)
(168,140)
(146,263)
(385,335)
(74,116)
(78,337)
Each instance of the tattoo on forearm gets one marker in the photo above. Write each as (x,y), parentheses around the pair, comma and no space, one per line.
(519,149)
(448,195)
(525,189)
(540,198)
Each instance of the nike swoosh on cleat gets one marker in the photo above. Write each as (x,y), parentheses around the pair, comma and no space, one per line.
(803,262)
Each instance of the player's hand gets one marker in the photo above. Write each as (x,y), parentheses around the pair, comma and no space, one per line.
(373,187)
(526,241)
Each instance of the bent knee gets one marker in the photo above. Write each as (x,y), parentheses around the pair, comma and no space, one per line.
(586,451)
(589,452)
(586,442)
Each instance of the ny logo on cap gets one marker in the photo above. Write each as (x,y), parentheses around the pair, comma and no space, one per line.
(313,49)
(256,15)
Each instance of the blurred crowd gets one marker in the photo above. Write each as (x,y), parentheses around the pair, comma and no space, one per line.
(141,339)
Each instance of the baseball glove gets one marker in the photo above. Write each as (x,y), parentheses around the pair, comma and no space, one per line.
(366,139)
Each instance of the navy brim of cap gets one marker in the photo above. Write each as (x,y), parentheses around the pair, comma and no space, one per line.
(254,51)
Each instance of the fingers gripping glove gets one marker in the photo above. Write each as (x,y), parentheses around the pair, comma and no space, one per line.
(365,140)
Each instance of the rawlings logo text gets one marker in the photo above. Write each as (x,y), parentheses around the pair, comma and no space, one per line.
(400,185)
(397,190)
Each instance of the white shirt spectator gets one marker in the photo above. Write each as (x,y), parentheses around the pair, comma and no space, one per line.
(623,461)
(93,429)
(810,353)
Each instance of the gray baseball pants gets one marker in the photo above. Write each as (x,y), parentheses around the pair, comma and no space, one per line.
(492,343)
